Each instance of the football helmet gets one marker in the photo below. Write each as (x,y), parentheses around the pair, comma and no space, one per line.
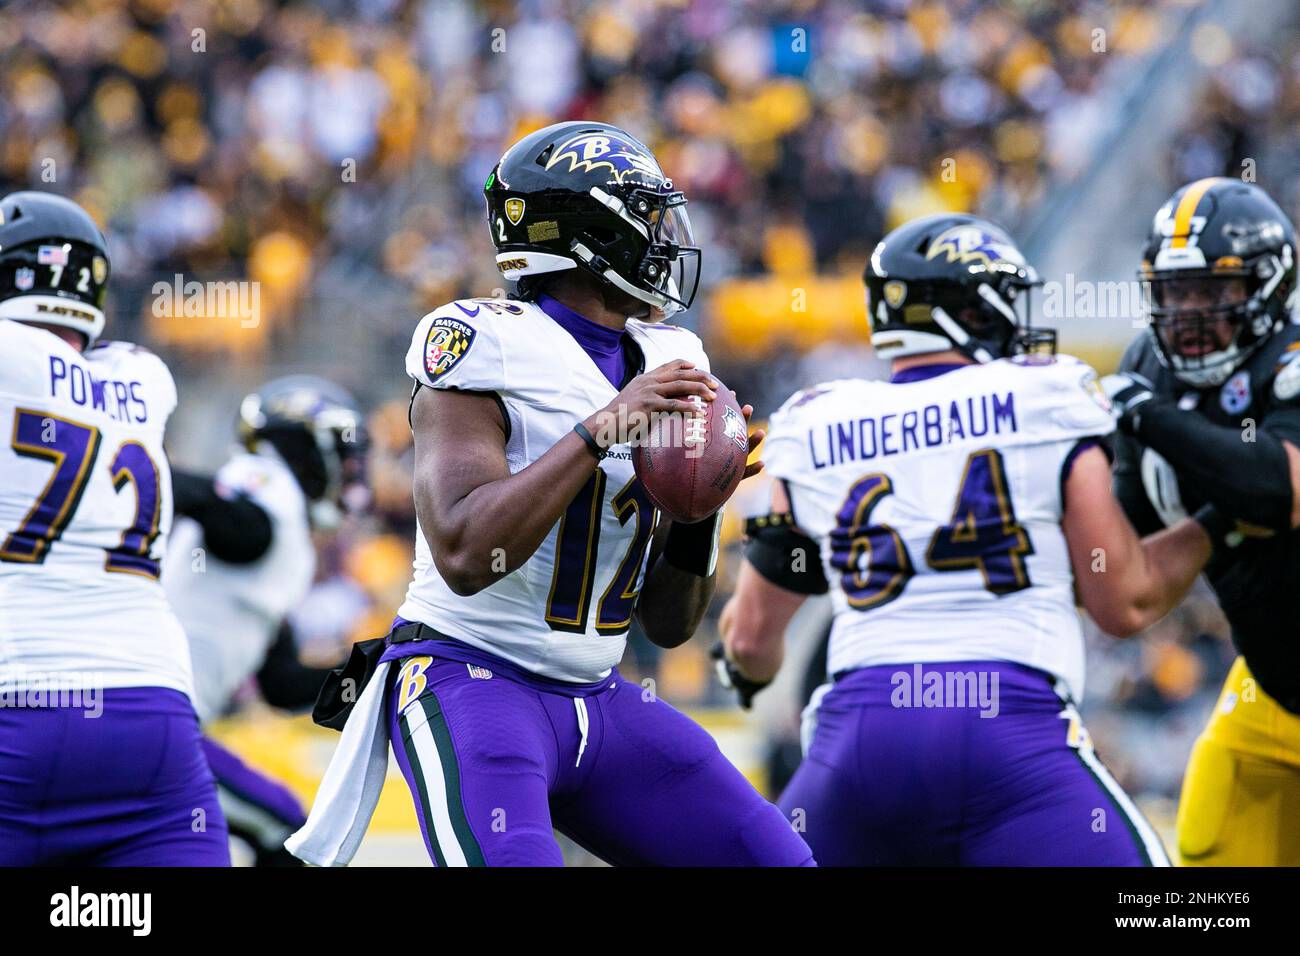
(1219,277)
(951,281)
(317,429)
(53,263)
(590,196)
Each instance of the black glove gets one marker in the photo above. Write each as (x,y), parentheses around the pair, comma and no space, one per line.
(730,677)
(1128,392)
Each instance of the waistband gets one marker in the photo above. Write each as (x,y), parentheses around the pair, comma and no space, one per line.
(414,639)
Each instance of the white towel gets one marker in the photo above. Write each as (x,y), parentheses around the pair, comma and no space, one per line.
(352,783)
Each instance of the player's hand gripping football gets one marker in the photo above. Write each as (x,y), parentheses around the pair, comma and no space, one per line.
(668,388)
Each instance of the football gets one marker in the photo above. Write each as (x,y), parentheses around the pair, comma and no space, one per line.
(691,465)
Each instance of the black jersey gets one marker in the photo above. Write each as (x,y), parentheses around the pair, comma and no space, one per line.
(1258,582)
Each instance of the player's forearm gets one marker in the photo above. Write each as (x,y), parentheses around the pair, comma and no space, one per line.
(497,526)
(1245,475)
(673,603)
(1172,559)
(754,641)
(1150,578)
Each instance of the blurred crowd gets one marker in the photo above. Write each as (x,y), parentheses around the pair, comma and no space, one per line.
(312,146)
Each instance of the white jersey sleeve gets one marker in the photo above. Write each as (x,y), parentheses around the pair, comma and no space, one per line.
(937,506)
(459,346)
(232,612)
(85,510)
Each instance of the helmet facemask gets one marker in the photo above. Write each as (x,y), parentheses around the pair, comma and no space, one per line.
(1206,322)
(666,274)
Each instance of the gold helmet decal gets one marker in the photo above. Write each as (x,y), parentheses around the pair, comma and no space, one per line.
(514,210)
(895,292)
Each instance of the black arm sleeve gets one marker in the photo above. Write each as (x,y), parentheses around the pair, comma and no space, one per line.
(286,682)
(1247,480)
(235,530)
(784,555)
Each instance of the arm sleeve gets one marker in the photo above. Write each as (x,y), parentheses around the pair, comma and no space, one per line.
(285,681)
(1246,480)
(235,530)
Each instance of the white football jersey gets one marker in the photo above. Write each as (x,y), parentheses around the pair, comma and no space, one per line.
(566,611)
(937,506)
(85,508)
(232,612)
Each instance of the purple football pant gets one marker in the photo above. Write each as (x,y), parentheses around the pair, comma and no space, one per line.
(890,781)
(129,787)
(495,760)
(259,810)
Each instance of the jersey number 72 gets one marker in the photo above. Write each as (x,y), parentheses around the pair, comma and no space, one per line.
(73,448)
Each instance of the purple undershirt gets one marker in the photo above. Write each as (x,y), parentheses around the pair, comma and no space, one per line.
(919,373)
(603,345)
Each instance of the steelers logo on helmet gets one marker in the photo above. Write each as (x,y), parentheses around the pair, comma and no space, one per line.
(449,339)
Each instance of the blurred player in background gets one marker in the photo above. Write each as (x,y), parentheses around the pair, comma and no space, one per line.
(242,557)
(100,757)
(954,511)
(1210,402)
(539,544)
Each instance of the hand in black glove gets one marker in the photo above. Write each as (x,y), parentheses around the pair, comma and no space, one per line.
(730,677)
(1127,392)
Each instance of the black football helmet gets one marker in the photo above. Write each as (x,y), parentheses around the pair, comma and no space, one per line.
(1219,266)
(590,196)
(53,263)
(951,281)
(317,428)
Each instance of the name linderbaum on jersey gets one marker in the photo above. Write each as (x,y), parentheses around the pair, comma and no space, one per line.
(953,510)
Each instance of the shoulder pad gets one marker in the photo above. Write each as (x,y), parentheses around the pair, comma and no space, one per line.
(459,345)
(1062,400)
(662,342)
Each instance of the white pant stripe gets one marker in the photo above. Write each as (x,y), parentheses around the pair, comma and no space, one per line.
(429,766)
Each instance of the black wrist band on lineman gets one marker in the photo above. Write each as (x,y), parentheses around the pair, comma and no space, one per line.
(592,445)
(693,548)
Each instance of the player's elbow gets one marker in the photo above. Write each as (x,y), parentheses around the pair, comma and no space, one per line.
(1124,619)
(461,571)
(665,636)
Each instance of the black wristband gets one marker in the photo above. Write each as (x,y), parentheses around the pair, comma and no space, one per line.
(693,547)
(592,445)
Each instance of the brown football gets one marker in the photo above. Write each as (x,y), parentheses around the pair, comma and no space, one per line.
(690,465)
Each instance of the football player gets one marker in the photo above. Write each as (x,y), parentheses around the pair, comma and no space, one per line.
(1210,402)
(100,760)
(538,544)
(954,512)
(242,557)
